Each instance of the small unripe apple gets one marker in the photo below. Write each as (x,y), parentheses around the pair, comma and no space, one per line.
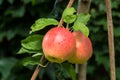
(83,49)
(58,44)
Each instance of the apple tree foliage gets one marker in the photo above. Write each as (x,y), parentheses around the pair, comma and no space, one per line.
(21,30)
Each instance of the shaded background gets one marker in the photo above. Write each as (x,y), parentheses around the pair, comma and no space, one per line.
(16,17)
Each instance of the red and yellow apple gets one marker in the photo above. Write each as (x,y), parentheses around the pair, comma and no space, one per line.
(83,49)
(58,45)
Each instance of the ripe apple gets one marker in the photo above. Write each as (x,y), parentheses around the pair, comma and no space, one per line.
(83,48)
(58,44)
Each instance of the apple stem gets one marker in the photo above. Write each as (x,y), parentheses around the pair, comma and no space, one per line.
(110,39)
(67,26)
(34,76)
(69,5)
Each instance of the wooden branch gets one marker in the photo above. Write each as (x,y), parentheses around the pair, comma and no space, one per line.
(83,7)
(110,40)
(34,76)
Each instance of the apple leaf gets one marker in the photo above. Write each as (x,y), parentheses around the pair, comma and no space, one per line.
(32,42)
(83,18)
(42,23)
(78,26)
(68,15)
(32,61)
(23,51)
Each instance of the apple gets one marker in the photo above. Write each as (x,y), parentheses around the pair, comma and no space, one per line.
(83,49)
(58,44)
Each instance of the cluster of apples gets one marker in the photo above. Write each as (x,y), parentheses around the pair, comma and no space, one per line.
(59,45)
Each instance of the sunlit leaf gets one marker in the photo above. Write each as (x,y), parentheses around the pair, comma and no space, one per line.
(68,15)
(81,27)
(42,23)
(32,42)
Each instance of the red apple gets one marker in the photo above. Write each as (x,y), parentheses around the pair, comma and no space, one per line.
(83,49)
(58,44)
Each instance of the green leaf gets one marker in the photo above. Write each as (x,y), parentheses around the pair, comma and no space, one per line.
(78,26)
(32,61)
(32,42)
(6,65)
(23,51)
(83,18)
(68,15)
(80,23)
(42,23)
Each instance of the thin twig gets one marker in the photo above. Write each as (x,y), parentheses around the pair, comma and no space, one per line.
(69,5)
(110,40)
(34,76)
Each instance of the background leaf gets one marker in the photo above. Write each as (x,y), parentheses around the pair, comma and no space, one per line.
(6,65)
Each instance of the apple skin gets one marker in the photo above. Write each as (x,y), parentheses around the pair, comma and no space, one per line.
(58,44)
(83,49)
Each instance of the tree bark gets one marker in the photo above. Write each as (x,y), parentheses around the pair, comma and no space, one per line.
(83,7)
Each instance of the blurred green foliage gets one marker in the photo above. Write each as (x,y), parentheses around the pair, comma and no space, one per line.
(16,17)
